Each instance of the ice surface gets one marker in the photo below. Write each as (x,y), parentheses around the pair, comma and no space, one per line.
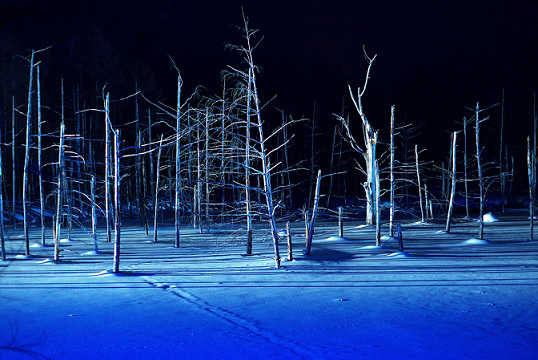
(348,300)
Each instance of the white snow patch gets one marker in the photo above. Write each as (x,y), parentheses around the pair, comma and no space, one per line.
(104,272)
(282,233)
(489,218)
(474,241)
(45,261)
(399,255)
(333,238)
(363,226)
(87,253)
(374,247)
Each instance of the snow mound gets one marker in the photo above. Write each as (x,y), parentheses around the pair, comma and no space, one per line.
(39,245)
(399,255)
(474,241)
(489,218)
(363,226)
(374,247)
(87,253)
(46,261)
(282,233)
(337,238)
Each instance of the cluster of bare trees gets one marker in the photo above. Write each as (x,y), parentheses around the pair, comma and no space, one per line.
(209,158)
(398,174)
(198,161)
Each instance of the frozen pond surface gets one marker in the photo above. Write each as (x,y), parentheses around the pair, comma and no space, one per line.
(448,296)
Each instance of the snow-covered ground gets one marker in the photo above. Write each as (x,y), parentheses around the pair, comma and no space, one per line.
(447,297)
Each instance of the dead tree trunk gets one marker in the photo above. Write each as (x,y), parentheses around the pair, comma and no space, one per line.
(40,161)
(370,142)
(530,169)
(2,239)
(340,223)
(117,202)
(13,167)
(314,213)
(377,204)
(156,192)
(61,165)
(453,188)
(26,210)
(501,169)
(206,165)
(178,160)
(248,211)
(290,247)
(94,214)
(107,170)
(481,186)
(419,185)
(465,180)
(392,182)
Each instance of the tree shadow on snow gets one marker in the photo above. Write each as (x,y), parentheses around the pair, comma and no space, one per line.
(326,254)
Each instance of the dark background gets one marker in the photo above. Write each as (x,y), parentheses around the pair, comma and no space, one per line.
(433,58)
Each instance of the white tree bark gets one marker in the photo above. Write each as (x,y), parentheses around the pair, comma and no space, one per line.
(156,192)
(28,145)
(419,183)
(40,161)
(370,143)
(117,201)
(453,187)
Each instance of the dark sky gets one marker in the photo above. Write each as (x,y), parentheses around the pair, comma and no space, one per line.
(433,58)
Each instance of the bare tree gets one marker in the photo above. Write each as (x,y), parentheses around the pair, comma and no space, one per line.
(117,201)
(28,145)
(530,170)
(481,183)
(370,144)
(260,146)
(2,239)
(453,179)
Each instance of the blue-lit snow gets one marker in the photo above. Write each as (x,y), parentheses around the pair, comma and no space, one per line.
(348,300)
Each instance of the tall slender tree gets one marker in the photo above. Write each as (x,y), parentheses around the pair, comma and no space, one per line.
(370,144)
(28,145)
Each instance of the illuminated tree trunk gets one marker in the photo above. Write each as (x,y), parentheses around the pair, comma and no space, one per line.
(178,161)
(480,174)
(247,165)
(117,202)
(26,210)
(13,167)
(94,214)
(314,213)
(453,188)
(392,182)
(465,180)
(107,170)
(370,143)
(156,192)
(377,209)
(501,169)
(419,185)
(61,165)
(40,161)
(2,239)
(530,168)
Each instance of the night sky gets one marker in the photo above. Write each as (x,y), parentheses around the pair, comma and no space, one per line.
(433,58)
